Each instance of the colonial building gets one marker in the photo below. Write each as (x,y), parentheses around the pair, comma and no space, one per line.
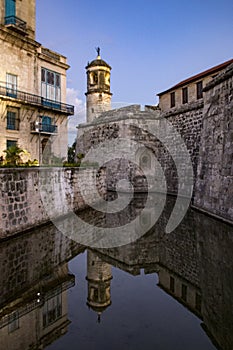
(33,112)
(189,90)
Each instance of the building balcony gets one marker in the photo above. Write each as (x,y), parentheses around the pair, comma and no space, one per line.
(36,100)
(16,24)
(40,128)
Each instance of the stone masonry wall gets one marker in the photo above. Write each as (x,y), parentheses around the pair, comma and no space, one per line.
(30,257)
(134,125)
(187,120)
(214,185)
(30,197)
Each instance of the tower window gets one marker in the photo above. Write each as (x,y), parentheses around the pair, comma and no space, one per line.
(94,78)
(185,95)
(173,99)
(199,90)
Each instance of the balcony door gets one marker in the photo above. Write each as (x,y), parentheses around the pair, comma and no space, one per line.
(50,88)
(9,8)
(11,85)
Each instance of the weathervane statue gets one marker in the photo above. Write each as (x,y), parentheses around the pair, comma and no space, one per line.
(98,50)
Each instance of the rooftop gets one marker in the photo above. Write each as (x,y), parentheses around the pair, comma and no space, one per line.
(98,62)
(198,76)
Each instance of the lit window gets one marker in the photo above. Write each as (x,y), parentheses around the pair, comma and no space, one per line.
(173,99)
(185,95)
(199,90)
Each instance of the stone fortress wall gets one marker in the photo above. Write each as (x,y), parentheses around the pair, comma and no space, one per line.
(31,197)
(214,184)
(206,129)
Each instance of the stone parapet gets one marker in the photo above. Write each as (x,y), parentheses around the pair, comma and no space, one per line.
(31,197)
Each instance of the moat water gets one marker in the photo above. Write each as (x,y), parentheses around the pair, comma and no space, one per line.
(163,291)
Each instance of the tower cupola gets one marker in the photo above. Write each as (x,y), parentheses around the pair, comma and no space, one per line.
(98,95)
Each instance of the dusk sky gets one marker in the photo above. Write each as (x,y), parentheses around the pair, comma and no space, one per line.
(149,44)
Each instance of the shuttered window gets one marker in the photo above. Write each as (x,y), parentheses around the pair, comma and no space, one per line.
(199,90)
(185,95)
(9,8)
(11,84)
(173,99)
(12,119)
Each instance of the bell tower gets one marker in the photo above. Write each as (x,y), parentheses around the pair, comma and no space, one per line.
(99,275)
(98,95)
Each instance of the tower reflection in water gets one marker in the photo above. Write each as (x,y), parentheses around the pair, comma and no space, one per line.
(99,275)
(193,264)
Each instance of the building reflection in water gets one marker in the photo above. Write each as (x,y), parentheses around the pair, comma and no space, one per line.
(34,283)
(193,263)
(99,275)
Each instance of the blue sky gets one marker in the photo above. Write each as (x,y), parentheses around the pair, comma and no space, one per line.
(150,44)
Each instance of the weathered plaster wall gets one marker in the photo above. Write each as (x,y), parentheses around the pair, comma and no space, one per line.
(214,185)
(30,197)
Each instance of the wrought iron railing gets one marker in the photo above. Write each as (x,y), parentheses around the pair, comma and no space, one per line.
(17,22)
(36,100)
(43,128)
(38,301)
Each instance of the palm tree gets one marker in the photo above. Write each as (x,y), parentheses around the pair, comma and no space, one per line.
(13,155)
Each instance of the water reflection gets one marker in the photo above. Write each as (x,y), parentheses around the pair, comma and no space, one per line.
(193,264)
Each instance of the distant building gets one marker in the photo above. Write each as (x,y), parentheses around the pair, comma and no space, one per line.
(189,90)
(32,86)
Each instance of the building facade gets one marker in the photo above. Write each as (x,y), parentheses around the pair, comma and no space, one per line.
(189,90)
(33,112)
